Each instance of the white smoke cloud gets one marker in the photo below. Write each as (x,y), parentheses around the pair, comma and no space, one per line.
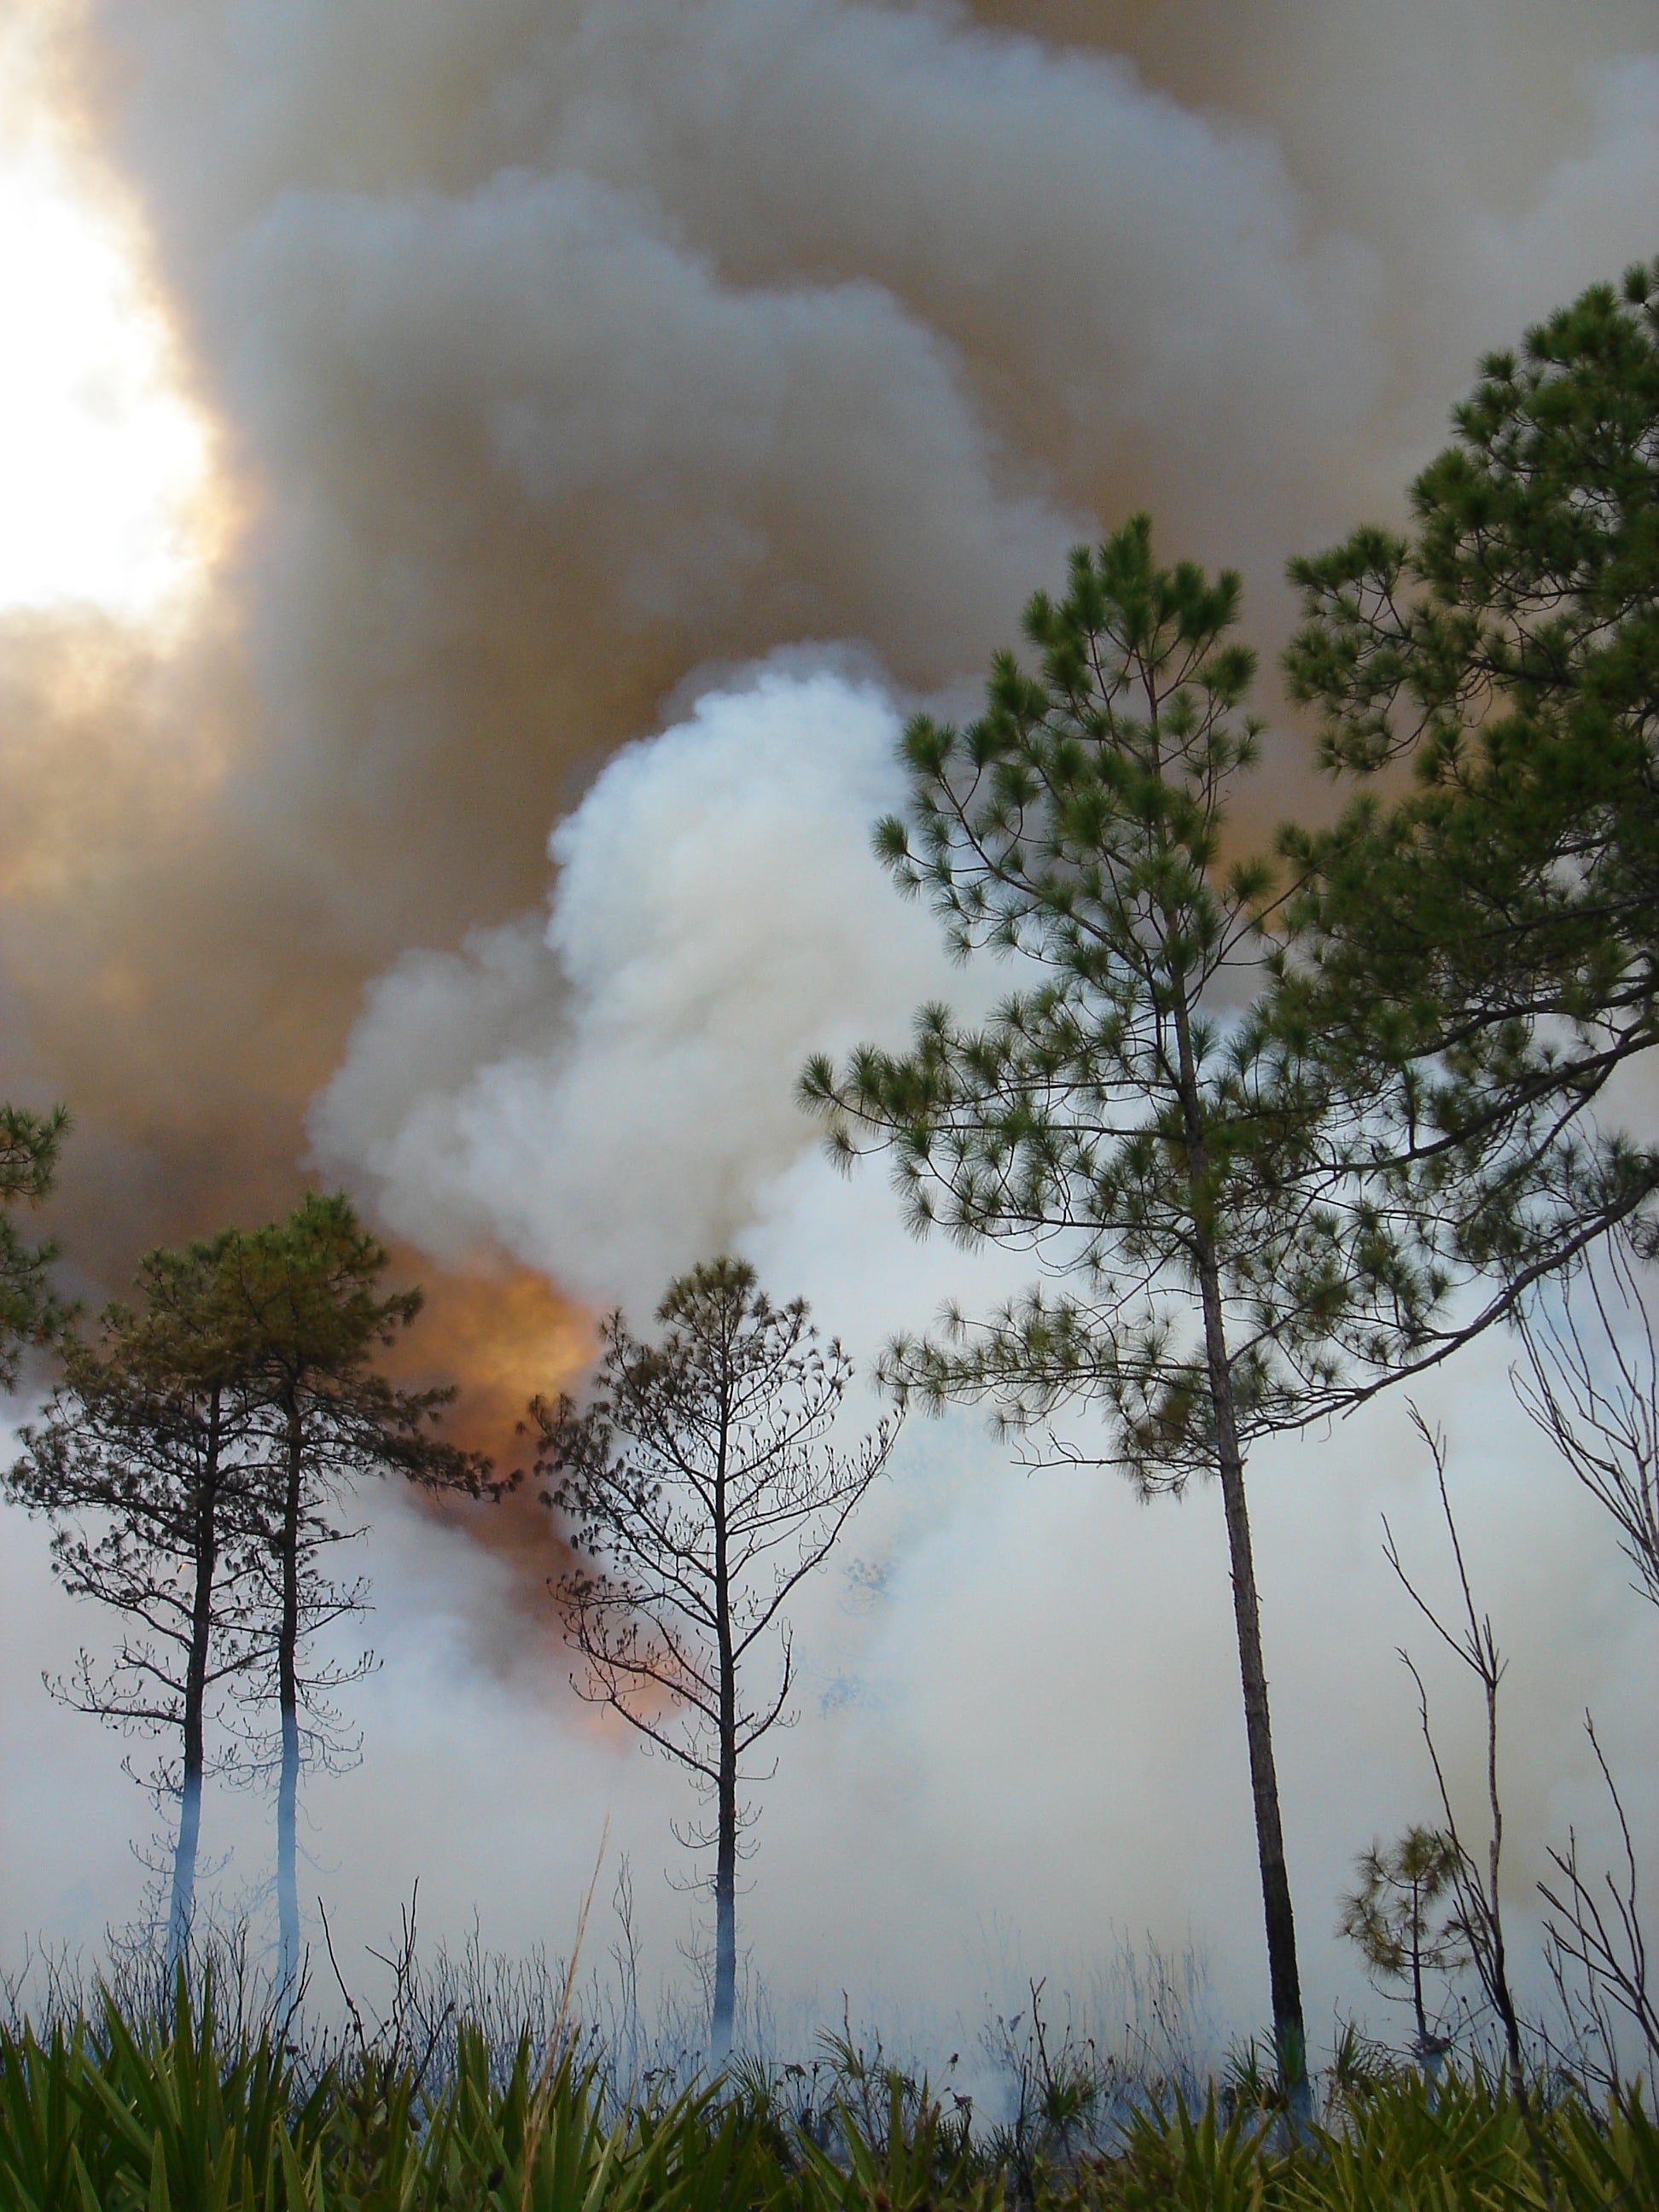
(609,1096)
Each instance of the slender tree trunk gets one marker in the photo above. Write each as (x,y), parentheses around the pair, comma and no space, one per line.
(726,1909)
(287,1700)
(1502,1996)
(183,1902)
(201,1630)
(1418,2007)
(1283,1976)
(725,1858)
(1285,1980)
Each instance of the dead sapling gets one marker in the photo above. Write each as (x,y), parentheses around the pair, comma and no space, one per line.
(1591,1385)
(1597,1950)
(1476,1879)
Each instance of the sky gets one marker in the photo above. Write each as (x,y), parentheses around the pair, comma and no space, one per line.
(483,490)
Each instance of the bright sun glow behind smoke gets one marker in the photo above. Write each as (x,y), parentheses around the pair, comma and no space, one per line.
(103,462)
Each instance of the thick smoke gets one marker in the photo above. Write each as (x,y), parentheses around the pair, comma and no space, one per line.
(553,357)
(608,1094)
(554,352)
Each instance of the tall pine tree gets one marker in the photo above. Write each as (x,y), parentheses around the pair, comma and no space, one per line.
(308,1294)
(1156,1157)
(139,1460)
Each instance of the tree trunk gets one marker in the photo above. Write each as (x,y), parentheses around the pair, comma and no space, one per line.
(1285,1980)
(1419,2010)
(726,1855)
(1284,1977)
(288,1699)
(182,1903)
(201,1630)
(726,1910)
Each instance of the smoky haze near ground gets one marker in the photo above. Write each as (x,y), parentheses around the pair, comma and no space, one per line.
(566,367)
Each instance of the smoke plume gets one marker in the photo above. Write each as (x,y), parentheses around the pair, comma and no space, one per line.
(615,414)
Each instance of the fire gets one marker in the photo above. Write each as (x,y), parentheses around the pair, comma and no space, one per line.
(502,1336)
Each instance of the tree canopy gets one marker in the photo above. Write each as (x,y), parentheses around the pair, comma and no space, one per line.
(29,1314)
(1476,955)
(1113,1116)
(197,1461)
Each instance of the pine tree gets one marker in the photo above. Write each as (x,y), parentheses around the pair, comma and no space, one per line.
(139,1460)
(308,1294)
(700,1492)
(1156,1157)
(1404,1918)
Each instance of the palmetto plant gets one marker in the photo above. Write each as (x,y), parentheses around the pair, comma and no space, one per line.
(106,2115)
(181,2115)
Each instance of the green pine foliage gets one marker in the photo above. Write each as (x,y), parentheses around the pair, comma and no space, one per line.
(1405,1915)
(29,1313)
(1474,947)
(1158,1159)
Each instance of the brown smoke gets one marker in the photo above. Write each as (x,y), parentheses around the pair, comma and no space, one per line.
(553,353)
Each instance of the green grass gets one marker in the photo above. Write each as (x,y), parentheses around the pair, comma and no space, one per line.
(102,2116)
